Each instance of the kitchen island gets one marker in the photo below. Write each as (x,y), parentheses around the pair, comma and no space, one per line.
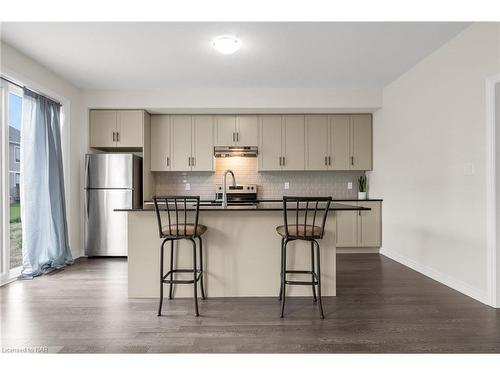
(241,252)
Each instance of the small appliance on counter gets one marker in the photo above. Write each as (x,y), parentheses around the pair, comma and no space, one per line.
(112,180)
(238,194)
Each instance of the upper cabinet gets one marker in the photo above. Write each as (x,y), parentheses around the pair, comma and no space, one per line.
(339,142)
(281,143)
(117,129)
(240,130)
(202,145)
(361,142)
(160,143)
(182,143)
(317,142)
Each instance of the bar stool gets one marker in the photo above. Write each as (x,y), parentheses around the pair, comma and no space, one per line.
(182,214)
(300,208)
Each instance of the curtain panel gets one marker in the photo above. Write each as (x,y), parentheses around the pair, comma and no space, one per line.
(45,232)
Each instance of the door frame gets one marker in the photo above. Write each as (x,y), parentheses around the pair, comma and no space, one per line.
(492,214)
(6,274)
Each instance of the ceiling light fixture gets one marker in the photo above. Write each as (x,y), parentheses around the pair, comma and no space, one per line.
(226,44)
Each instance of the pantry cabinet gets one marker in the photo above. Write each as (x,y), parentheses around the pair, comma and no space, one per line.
(360,228)
(116,129)
(236,130)
(338,142)
(281,144)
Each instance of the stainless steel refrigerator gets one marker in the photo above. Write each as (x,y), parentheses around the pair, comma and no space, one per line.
(111,181)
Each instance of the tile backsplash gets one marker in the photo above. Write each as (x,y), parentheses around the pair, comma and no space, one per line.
(270,184)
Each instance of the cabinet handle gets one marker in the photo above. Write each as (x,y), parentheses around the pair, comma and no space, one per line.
(352,160)
(117,136)
(237,136)
(194,161)
(329,160)
(283,161)
(189,160)
(326,160)
(233,136)
(168,161)
(114,137)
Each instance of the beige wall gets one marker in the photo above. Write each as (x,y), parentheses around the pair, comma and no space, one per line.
(25,70)
(432,123)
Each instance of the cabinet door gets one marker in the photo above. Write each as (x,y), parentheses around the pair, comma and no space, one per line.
(181,142)
(370,225)
(202,143)
(225,130)
(347,228)
(130,129)
(247,130)
(361,142)
(293,147)
(160,143)
(270,142)
(103,128)
(317,142)
(339,143)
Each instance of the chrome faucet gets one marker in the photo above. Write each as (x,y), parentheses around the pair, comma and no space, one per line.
(224,188)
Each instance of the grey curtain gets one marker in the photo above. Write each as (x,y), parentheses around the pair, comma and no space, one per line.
(45,232)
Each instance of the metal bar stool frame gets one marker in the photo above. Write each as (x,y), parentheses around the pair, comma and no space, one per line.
(315,271)
(180,206)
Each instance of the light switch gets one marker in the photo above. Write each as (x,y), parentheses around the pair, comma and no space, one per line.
(287,185)
(349,185)
(188,186)
(468,169)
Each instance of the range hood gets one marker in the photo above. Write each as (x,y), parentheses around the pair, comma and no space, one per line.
(228,151)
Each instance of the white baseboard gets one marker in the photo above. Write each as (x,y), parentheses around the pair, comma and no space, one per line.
(458,285)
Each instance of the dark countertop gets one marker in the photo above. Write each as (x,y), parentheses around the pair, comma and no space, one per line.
(262,205)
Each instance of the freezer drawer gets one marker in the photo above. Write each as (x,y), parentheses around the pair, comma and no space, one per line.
(105,229)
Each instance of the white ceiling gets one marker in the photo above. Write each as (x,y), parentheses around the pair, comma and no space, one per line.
(179,55)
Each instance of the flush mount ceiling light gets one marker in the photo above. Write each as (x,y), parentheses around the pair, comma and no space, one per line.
(226,44)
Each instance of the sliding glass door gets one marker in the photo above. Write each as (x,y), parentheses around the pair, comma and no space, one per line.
(11,223)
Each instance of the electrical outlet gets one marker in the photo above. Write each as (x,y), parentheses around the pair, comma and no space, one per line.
(349,185)
(287,185)
(188,186)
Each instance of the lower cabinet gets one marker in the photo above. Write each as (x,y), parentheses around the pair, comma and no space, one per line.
(360,228)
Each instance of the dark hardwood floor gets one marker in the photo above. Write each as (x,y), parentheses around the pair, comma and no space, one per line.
(381,307)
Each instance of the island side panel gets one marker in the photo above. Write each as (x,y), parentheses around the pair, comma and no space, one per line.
(241,252)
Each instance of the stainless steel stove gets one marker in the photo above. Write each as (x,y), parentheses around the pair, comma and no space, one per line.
(238,195)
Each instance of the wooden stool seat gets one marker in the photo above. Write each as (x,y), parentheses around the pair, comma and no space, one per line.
(182,230)
(306,231)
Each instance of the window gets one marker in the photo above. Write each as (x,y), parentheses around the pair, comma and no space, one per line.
(17,154)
